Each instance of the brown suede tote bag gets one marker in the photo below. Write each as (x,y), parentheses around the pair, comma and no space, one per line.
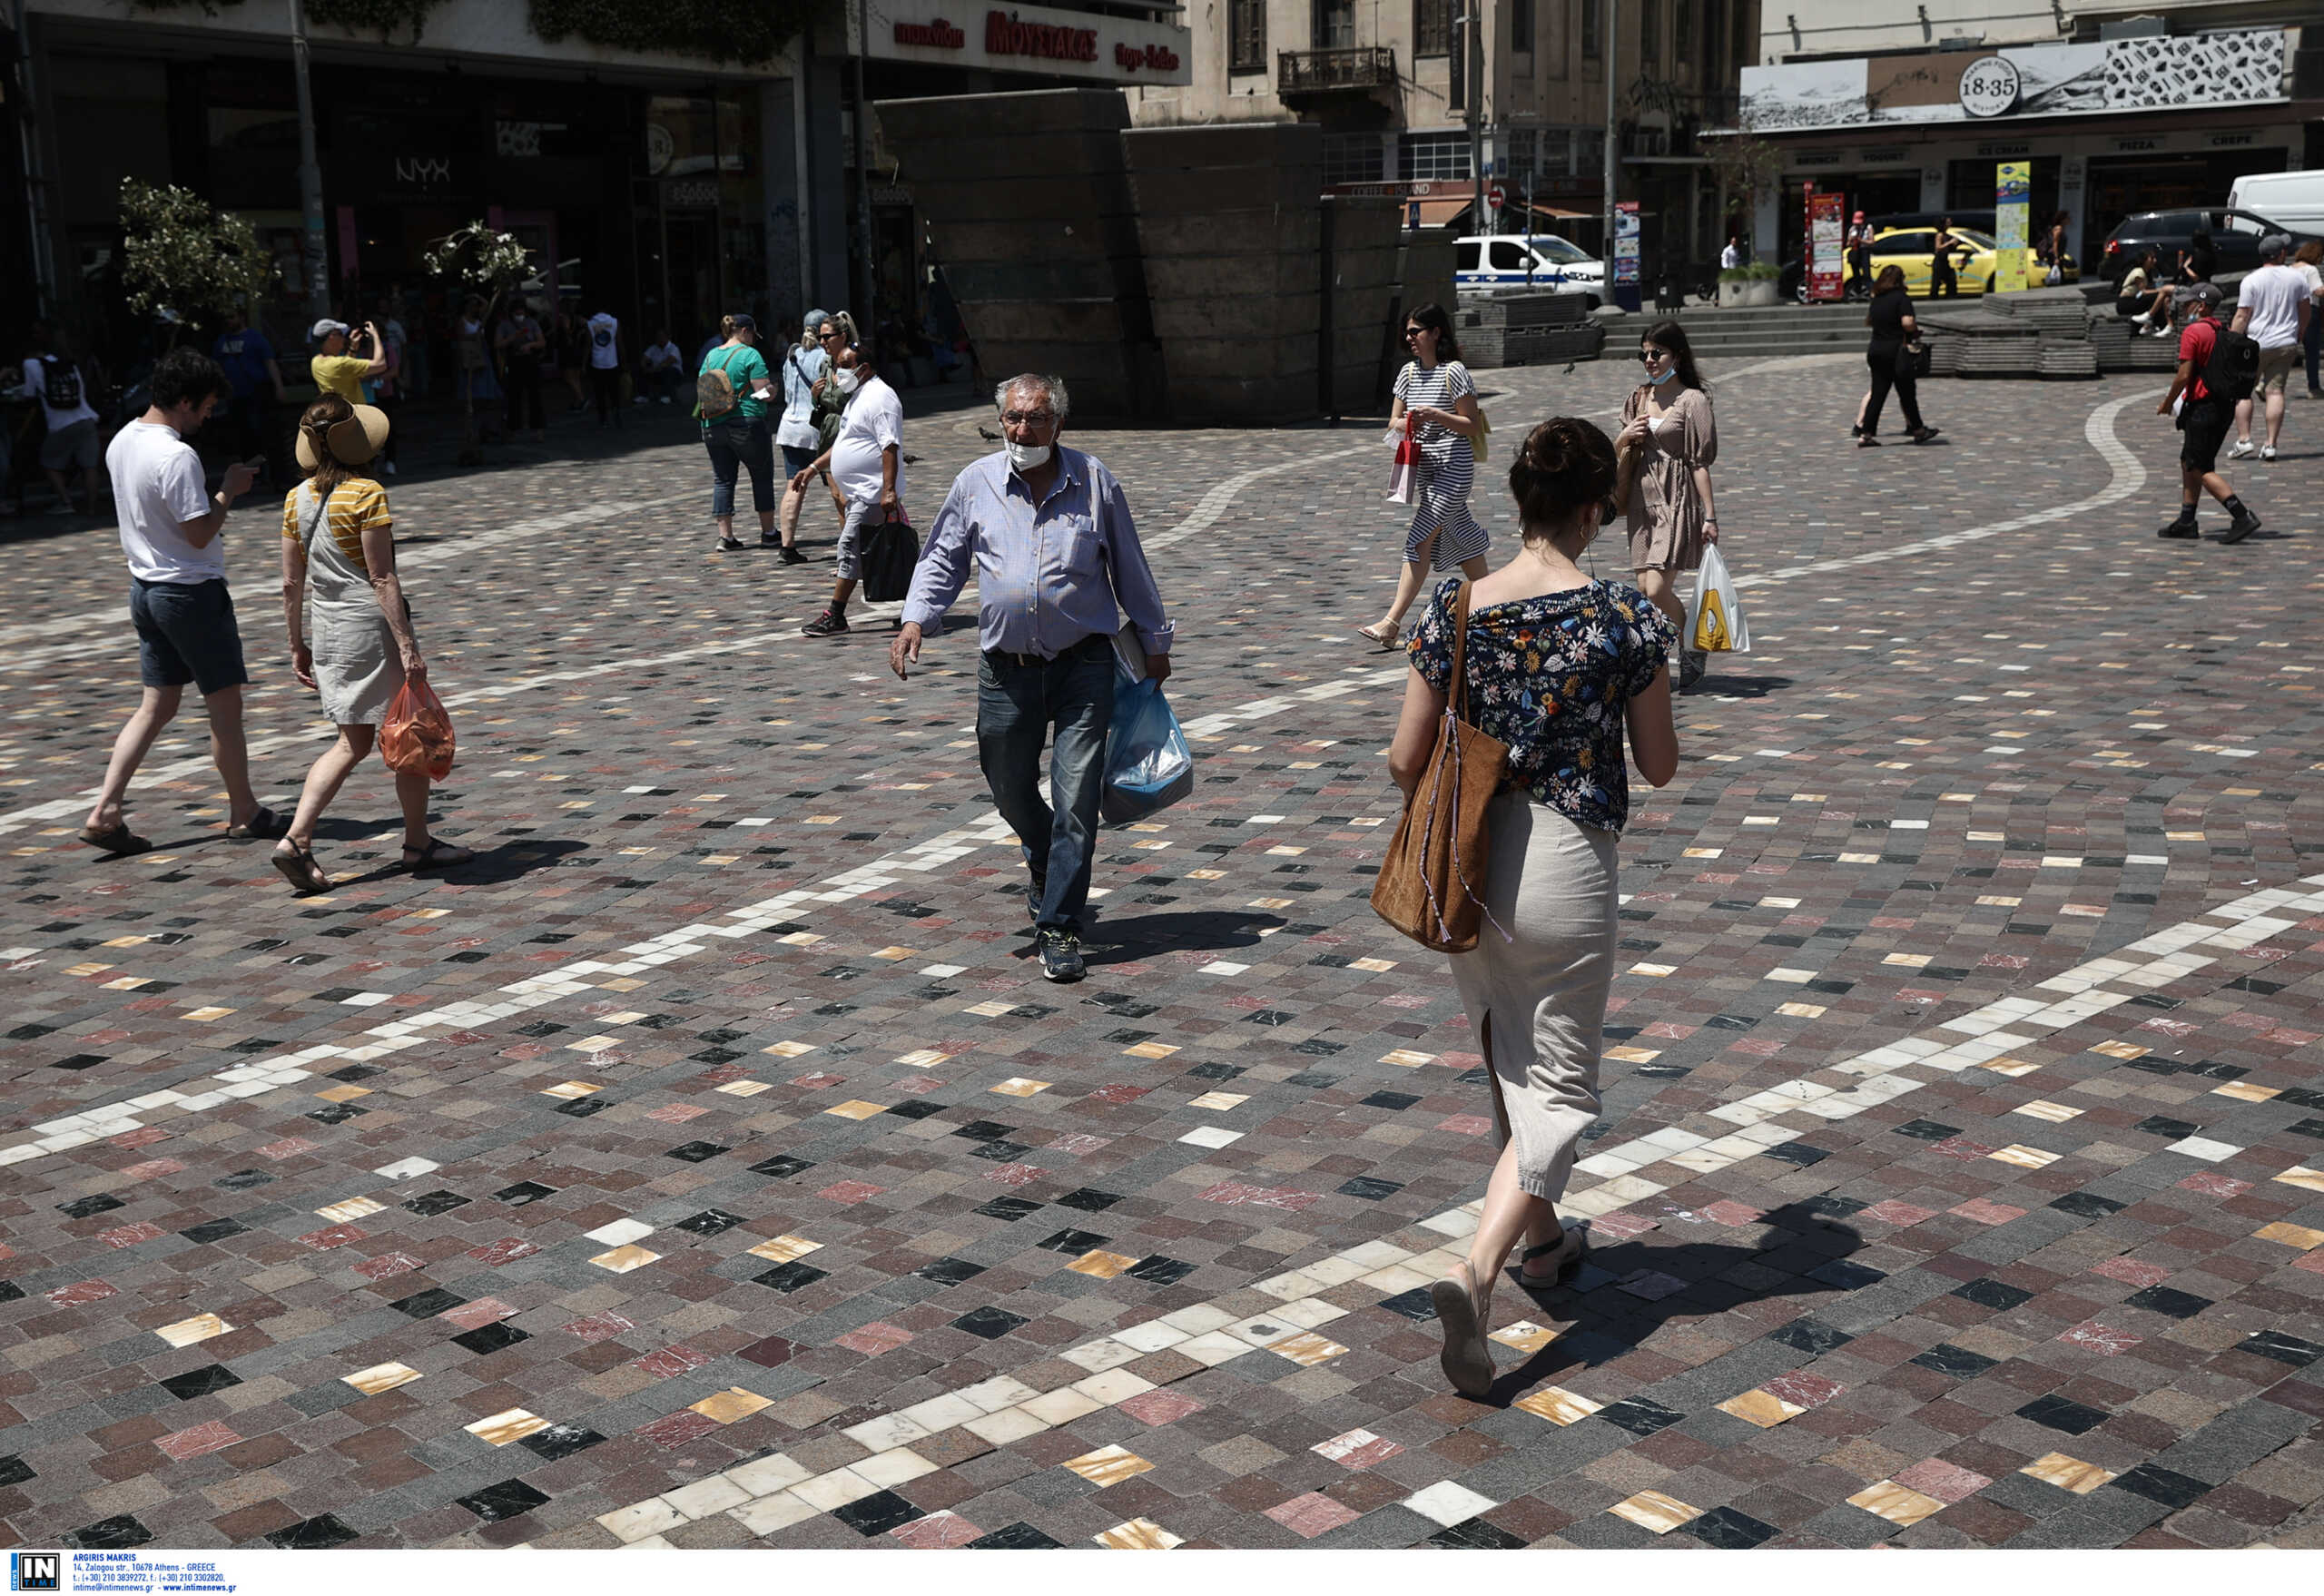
(1432,883)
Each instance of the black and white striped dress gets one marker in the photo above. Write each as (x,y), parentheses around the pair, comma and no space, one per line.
(1447,469)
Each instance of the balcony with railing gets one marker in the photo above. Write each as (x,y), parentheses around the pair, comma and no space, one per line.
(1359,70)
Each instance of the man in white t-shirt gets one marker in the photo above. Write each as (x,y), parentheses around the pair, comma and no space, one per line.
(56,379)
(2271,309)
(171,526)
(661,367)
(866,464)
(604,365)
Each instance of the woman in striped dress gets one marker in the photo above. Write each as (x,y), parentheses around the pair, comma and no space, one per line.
(1440,396)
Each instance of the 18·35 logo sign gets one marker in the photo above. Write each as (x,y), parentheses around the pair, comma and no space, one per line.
(36,1570)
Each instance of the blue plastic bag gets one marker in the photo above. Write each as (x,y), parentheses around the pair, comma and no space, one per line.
(1148,766)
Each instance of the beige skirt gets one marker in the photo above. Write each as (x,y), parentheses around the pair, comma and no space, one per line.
(1537,997)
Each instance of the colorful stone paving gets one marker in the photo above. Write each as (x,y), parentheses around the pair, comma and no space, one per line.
(708,1165)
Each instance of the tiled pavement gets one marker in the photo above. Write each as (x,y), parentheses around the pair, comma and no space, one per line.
(706,1166)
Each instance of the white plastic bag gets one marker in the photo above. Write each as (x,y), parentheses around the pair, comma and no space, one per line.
(1715,623)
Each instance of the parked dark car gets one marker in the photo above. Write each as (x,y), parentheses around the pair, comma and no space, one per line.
(2235,234)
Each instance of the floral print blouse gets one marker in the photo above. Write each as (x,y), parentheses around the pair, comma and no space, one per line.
(1550,678)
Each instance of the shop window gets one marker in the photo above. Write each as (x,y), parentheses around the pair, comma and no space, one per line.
(1556,159)
(1436,157)
(1248,25)
(1433,28)
(1517,147)
(1593,21)
(1521,26)
(1356,157)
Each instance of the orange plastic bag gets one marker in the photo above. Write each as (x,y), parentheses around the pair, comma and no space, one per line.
(418,736)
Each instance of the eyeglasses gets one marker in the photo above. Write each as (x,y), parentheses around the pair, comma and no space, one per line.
(1651,356)
(1027,417)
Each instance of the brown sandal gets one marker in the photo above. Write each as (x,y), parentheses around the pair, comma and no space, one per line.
(436,856)
(119,841)
(299,869)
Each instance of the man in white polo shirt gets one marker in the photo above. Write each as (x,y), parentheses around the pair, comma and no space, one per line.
(866,464)
(170,527)
(2271,309)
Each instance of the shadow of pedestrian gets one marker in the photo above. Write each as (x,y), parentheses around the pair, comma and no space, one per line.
(490,868)
(1626,1290)
(1720,685)
(1206,930)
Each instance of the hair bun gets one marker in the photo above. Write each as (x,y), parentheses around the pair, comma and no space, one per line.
(1565,463)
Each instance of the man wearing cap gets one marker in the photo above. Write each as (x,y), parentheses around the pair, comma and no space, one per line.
(2271,309)
(170,529)
(337,371)
(1859,243)
(2204,421)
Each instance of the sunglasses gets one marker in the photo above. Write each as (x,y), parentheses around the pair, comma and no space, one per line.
(1411,332)
(1651,356)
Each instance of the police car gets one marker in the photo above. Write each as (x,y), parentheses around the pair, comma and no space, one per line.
(1542,259)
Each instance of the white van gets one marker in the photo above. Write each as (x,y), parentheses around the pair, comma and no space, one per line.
(1543,259)
(2290,198)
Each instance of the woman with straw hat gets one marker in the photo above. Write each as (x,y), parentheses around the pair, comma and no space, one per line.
(339,557)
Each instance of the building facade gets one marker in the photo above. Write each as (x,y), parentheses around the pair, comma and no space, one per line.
(661,186)
(1394,85)
(2118,109)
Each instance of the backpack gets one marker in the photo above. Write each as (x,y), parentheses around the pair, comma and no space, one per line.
(60,383)
(714,391)
(2234,369)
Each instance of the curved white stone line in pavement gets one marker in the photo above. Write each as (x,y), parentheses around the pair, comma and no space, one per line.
(771,1493)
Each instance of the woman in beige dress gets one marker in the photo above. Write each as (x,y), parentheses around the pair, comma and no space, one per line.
(339,562)
(1666,449)
(1565,670)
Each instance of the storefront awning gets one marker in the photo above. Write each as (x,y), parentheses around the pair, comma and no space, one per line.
(1437,212)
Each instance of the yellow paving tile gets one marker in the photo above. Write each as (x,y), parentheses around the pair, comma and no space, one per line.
(1408,1058)
(2042,1109)
(2068,1474)
(745,1089)
(380,1377)
(186,1332)
(621,1260)
(1526,1335)
(571,1090)
(1307,1349)
(1653,1510)
(857,1109)
(781,1249)
(789,1049)
(2025,1158)
(352,1209)
(2289,1234)
(1017,1085)
(1762,1408)
(1103,1265)
(1150,1050)
(1899,1504)
(1559,1405)
(1108,1465)
(502,1428)
(1218,1100)
(732,1404)
(1138,1535)
(2306,1179)
(2244,1091)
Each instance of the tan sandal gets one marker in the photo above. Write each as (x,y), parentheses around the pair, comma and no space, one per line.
(1466,1361)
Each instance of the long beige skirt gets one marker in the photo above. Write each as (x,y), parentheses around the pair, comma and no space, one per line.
(1537,998)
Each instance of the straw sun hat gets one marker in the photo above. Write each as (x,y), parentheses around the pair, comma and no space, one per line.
(353,442)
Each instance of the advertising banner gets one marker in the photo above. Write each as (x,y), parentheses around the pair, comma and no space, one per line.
(1826,245)
(1626,237)
(2013,201)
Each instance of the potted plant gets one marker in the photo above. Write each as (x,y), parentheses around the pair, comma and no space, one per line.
(1747,285)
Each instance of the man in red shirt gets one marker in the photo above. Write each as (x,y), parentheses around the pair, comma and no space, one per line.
(2204,421)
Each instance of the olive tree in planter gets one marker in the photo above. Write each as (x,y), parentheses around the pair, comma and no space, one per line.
(1747,285)
(478,260)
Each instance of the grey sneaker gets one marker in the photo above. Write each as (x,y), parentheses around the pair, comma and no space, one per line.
(827,625)
(1060,956)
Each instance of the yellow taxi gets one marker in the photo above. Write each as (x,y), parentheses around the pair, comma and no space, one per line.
(1975,259)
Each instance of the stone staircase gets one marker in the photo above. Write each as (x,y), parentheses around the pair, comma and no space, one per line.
(1721,338)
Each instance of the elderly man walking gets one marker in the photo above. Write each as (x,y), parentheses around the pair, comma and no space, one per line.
(1048,533)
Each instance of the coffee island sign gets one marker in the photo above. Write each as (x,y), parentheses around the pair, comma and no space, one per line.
(1034,40)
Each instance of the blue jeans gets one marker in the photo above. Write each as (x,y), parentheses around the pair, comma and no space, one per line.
(737,444)
(2312,344)
(1017,707)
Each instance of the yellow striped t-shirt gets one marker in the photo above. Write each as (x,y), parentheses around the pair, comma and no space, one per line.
(355,504)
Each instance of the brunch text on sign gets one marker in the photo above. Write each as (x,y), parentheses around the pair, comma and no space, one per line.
(937,35)
(1152,57)
(1005,35)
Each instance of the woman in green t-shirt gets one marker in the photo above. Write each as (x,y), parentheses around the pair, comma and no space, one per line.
(739,439)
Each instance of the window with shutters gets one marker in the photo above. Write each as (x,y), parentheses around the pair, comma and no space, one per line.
(1592,21)
(1682,36)
(1333,25)
(1432,27)
(1247,35)
(1521,26)
(1649,34)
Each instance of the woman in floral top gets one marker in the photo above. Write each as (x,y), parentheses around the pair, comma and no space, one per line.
(1560,668)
